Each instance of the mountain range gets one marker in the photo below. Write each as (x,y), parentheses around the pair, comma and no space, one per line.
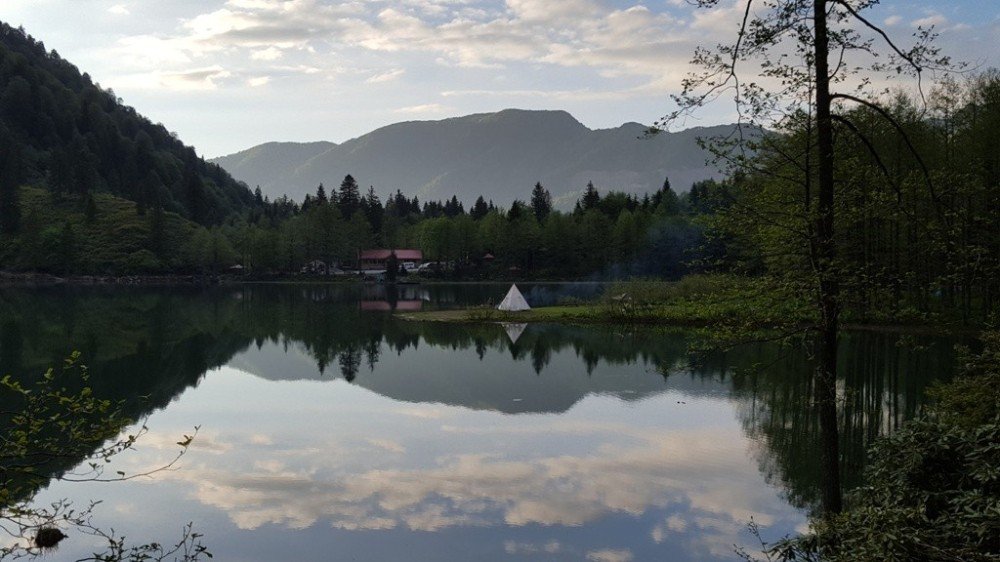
(498,155)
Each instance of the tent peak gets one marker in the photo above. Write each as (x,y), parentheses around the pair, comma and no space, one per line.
(514,301)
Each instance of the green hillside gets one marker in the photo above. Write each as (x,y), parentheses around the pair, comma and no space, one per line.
(103,234)
(60,130)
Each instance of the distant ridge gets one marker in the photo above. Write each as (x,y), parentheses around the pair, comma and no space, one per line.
(498,155)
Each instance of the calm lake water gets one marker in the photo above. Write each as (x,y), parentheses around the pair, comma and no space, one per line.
(331,431)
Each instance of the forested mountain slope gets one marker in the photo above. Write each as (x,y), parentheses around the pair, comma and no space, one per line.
(61,130)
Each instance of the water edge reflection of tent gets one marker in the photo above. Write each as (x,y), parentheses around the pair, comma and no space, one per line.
(514,330)
(514,301)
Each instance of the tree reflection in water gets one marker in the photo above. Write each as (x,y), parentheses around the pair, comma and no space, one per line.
(157,343)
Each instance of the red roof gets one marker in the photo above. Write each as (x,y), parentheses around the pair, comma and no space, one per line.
(404,255)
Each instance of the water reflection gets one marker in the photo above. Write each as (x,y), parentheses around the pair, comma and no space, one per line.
(539,442)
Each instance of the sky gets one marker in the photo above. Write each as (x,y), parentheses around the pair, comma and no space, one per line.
(229,74)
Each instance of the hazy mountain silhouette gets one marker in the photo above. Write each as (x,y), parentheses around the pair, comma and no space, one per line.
(498,155)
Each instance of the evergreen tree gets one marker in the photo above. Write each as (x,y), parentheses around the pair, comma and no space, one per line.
(194,195)
(66,251)
(60,175)
(400,205)
(83,170)
(149,190)
(321,195)
(541,202)
(591,198)
(371,205)
(349,197)
(666,201)
(479,209)
(453,207)
(517,210)
(90,209)
(10,183)
(391,267)
(156,242)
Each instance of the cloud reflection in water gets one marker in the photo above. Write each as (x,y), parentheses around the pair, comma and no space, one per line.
(604,457)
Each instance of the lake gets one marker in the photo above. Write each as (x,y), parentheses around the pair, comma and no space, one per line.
(332,431)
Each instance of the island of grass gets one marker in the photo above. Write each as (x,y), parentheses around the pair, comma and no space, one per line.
(698,300)
(722,302)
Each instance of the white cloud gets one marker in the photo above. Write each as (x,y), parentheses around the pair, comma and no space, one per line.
(570,33)
(197,79)
(261,439)
(258,81)
(550,547)
(934,19)
(676,523)
(583,94)
(388,445)
(701,469)
(204,79)
(268,54)
(580,55)
(424,109)
(610,555)
(387,76)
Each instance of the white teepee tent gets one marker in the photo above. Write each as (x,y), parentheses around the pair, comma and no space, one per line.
(514,301)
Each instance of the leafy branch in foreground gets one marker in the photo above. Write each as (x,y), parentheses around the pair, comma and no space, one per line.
(48,428)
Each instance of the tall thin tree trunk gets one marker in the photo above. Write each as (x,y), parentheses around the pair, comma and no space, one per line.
(824,252)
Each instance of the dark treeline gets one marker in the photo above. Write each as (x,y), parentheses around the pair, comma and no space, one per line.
(610,233)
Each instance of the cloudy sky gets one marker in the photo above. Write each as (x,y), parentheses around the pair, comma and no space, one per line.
(229,74)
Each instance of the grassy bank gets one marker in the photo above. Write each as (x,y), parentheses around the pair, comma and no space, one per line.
(701,300)
(722,302)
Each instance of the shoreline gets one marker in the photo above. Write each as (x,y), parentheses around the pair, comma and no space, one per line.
(14,279)
(688,314)
(592,316)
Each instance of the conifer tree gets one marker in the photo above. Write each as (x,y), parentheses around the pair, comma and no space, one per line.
(156,242)
(372,207)
(541,202)
(349,197)
(666,201)
(90,209)
(10,183)
(479,209)
(591,198)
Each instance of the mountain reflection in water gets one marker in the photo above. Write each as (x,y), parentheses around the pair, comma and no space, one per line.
(449,441)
